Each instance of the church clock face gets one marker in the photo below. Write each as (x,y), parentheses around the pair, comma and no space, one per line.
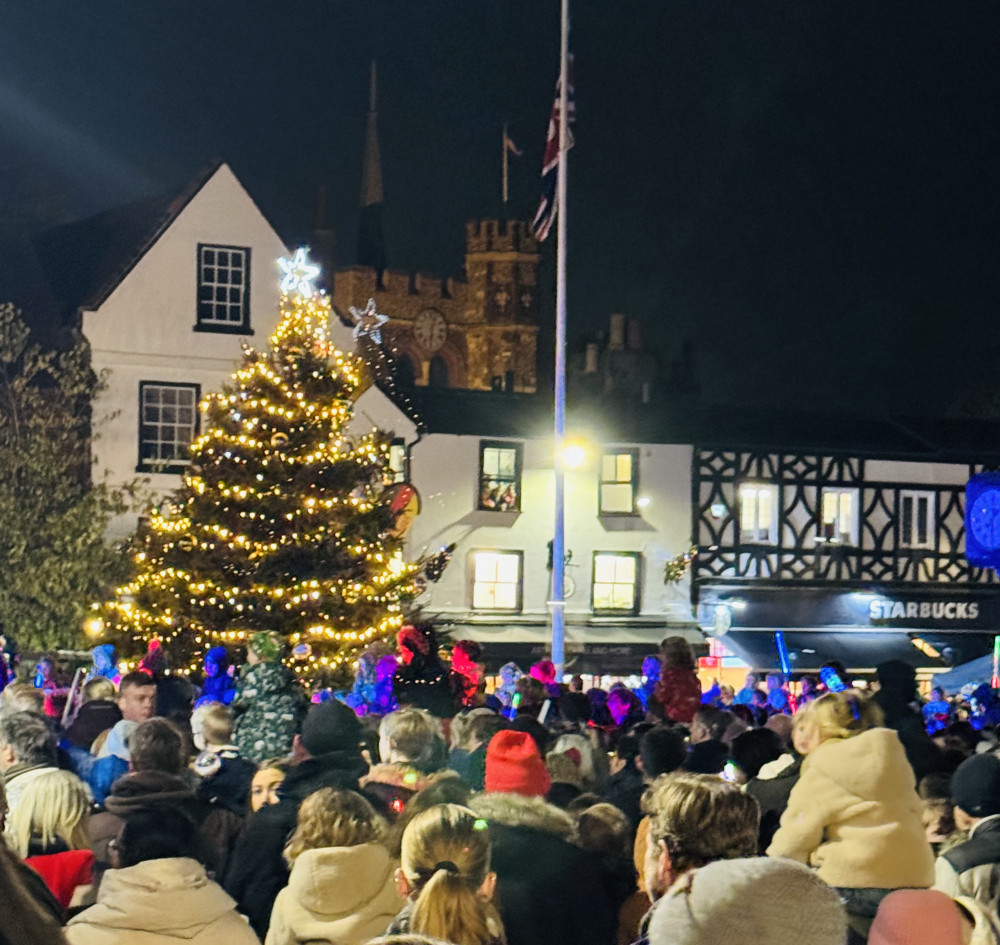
(984,517)
(430,330)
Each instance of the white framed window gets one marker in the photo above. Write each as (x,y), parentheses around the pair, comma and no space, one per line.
(619,481)
(758,514)
(223,288)
(839,516)
(496,580)
(168,422)
(916,519)
(398,461)
(499,476)
(615,588)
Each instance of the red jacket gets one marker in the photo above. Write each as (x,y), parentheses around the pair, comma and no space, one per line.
(679,692)
(63,872)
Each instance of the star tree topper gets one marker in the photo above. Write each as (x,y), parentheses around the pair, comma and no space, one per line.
(298,274)
(369,321)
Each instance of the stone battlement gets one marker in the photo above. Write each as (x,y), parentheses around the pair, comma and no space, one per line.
(364,281)
(496,236)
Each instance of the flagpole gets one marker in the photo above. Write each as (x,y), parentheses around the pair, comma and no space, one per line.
(503,147)
(558,603)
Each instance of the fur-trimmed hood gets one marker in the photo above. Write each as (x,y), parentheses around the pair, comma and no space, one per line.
(515,810)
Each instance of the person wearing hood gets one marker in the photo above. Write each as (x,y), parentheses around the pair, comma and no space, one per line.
(97,713)
(341,888)
(327,753)
(896,696)
(158,893)
(269,703)
(219,684)
(113,760)
(854,814)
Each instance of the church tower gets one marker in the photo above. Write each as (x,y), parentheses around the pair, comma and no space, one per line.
(501,265)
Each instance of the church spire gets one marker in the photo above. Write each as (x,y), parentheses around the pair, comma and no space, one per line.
(371,240)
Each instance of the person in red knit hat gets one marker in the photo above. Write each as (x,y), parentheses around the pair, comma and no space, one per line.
(515,766)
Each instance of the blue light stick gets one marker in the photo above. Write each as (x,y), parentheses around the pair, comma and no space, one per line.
(779,642)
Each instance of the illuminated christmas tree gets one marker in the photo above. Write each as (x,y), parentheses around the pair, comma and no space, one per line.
(285,520)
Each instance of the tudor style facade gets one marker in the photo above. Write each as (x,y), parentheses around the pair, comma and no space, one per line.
(854,556)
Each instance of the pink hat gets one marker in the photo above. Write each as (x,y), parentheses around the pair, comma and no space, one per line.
(514,766)
(916,917)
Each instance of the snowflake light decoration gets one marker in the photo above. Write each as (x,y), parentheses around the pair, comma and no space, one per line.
(368,321)
(298,274)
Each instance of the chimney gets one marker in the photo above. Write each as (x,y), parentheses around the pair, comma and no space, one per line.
(634,335)
(590,358)
(617,341)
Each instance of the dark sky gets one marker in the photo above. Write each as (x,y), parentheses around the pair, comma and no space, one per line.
(806,190)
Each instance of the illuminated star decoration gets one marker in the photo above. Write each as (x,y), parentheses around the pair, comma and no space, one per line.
(298,274)
(369,321)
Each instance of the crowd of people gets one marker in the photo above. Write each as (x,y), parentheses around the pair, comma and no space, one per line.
(421,808)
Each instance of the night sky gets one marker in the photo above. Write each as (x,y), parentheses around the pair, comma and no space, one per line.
(805,190)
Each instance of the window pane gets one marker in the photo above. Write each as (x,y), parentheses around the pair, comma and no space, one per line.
(604,597)
(486,567)
(507,568)
(608,467)
(764,509)
(604,569)
(846,514)
(624,467)
(748,510)
(923,520)
(505,596)
(623,597)
(507,463)
(616,498)
(490,462)
(625,569)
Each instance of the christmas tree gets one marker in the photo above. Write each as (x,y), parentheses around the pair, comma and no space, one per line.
(284,521)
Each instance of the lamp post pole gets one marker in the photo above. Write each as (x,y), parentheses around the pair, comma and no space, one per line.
(558,603)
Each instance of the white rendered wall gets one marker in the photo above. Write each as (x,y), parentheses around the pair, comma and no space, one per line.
(445,471)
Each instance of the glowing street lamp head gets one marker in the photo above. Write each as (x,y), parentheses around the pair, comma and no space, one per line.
(574,455)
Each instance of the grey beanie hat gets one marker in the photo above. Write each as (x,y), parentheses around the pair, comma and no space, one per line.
(756,899)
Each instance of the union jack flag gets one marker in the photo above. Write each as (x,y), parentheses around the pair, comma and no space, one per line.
(546,214)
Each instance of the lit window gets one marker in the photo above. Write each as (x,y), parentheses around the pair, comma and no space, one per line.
(496,580)
(839,516)
(223,288)
(619,476)
(397,471)
(916,518)
(500,477)
(616,582)
(168,422)
(758,520)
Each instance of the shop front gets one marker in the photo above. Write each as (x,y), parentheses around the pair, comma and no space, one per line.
(932,628)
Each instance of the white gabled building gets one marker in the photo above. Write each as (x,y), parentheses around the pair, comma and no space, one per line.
(165,291)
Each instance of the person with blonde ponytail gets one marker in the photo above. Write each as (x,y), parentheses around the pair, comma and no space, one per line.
(445,876)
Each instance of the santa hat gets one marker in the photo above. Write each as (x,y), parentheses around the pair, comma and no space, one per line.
(514,766)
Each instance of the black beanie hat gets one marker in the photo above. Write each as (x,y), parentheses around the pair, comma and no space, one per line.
(975,786)
(330,726)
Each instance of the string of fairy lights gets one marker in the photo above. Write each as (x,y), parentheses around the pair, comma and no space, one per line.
(282,522)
